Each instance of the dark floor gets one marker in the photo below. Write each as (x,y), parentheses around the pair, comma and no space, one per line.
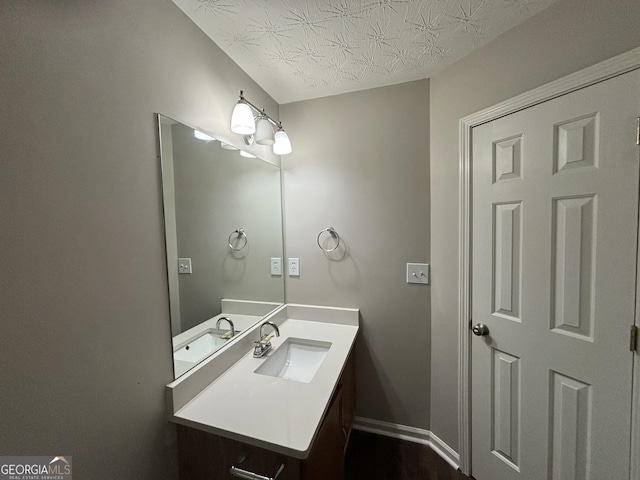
(377,457)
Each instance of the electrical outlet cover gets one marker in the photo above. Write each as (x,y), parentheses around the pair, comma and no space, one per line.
(276,266)
(294,267)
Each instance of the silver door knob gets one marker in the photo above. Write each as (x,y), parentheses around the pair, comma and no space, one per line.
(480,329)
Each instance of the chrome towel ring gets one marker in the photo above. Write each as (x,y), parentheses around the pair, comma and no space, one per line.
(239,234)
(333,233)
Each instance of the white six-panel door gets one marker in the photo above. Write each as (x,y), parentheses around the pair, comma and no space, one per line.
(555,218)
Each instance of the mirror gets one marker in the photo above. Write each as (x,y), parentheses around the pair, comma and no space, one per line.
(223,227)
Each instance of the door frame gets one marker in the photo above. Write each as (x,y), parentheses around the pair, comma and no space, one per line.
(613,67)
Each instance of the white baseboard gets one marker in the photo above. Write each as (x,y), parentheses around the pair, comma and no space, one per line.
(411,434)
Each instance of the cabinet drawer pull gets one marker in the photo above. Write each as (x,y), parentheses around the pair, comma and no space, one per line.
(247,475)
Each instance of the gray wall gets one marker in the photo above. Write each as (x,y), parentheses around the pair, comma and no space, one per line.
(568,36)
(85,346)
(360,163)
(216,192)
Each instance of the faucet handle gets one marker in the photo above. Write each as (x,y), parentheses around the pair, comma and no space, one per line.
(266,339)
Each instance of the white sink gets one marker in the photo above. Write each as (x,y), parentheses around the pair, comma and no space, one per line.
(296,359)
(201,347)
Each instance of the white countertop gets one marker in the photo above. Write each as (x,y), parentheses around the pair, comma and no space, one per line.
(271,412)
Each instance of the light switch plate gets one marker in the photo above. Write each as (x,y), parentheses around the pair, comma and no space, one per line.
(184,265)
(276,266)
(418,273)
(294,267)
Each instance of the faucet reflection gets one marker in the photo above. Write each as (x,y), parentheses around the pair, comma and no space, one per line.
(232,330)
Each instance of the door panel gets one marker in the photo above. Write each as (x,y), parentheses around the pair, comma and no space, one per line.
(507,261)
(506,407)
(572,260)
(571,422)
(555,209)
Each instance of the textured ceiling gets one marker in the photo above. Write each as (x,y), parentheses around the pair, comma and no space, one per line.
(301,49)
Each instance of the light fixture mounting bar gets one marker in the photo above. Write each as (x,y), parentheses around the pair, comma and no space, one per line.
(259,110)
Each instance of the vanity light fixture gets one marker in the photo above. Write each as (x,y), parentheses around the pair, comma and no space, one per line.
(243,122)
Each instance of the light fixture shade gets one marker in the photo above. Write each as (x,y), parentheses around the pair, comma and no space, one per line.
(264,132)
(202,136)
(227,146)
(242,119)
(282,145)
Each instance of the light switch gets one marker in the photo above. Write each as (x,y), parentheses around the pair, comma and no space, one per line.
(418,273)
(276,266)
(294,267)
(184,265)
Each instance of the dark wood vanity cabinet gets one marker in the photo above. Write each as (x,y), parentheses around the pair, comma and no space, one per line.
(205,456)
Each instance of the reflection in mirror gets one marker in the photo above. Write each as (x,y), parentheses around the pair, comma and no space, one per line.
(223,226)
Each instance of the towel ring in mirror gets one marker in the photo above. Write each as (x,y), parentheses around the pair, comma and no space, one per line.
(333,233)
(239,234)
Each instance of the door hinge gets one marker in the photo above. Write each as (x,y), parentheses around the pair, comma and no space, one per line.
(633,339)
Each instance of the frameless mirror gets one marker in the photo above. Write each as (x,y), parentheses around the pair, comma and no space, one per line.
(223,227)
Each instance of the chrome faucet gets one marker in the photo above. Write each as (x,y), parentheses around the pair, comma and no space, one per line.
(263,345)
(232,330)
